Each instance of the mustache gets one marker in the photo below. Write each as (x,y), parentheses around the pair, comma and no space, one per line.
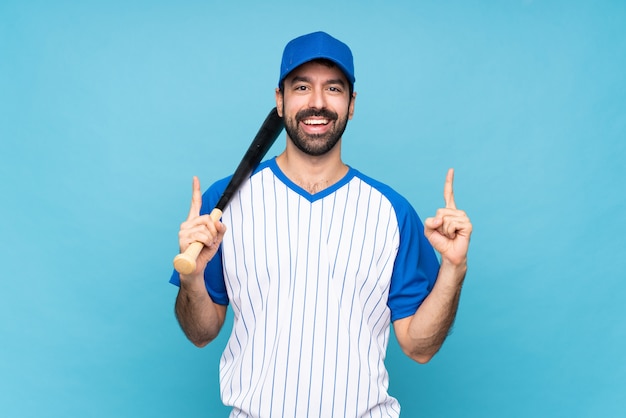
(322,113)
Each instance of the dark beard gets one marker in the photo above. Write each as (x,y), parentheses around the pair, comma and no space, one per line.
(315,145)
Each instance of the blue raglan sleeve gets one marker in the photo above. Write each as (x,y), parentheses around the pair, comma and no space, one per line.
(416,265)
(214,273)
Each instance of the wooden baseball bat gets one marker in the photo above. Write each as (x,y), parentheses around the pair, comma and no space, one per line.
(185,263)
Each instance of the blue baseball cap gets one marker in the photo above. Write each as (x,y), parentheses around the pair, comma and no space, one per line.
(313,46)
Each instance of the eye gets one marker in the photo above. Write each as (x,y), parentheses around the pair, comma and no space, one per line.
(335,89)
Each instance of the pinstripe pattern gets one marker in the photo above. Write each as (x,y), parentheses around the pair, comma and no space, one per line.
(308,279)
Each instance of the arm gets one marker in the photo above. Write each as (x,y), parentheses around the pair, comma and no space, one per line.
(200,318)
(421,335)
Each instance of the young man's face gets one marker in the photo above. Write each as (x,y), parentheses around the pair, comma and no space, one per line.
(316,106)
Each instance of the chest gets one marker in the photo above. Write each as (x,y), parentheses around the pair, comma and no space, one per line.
(347,239)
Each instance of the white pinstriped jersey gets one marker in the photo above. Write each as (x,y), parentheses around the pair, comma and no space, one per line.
(314,282)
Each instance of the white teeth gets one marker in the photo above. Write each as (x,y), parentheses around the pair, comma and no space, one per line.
(316,121)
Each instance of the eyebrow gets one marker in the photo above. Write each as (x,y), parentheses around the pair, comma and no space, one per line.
(299,78)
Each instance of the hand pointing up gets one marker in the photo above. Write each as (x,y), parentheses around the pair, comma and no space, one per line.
(450,229)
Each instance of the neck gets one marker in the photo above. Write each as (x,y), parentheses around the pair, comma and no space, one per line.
(312,173)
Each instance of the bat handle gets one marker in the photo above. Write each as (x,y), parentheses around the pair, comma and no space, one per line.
(185,262)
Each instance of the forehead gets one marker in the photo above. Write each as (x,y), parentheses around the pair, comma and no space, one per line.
(318,71)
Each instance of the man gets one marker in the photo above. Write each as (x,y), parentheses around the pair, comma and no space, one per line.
(317,261)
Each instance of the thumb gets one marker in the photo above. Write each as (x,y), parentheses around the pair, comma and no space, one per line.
(431,224)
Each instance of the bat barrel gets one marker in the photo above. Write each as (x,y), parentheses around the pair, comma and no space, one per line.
(263,141)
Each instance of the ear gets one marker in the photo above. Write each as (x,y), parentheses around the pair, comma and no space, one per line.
(351,108)
(279,102)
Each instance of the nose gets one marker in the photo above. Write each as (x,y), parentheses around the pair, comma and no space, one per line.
(317,99)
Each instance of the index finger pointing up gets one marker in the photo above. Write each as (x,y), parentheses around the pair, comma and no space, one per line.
(196,199)
(448,192)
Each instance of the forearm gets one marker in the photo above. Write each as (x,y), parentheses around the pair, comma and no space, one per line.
(199,317)
(423,334)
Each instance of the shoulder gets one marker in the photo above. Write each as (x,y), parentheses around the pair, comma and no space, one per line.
(213,194)
(400,204)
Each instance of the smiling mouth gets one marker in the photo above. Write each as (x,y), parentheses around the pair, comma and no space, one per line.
(316,117)
(315,121)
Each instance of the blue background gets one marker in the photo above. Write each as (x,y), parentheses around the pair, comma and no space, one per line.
(107,109)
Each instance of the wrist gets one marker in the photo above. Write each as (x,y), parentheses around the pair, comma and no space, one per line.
(192,282)
(455,263)
(454,269)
